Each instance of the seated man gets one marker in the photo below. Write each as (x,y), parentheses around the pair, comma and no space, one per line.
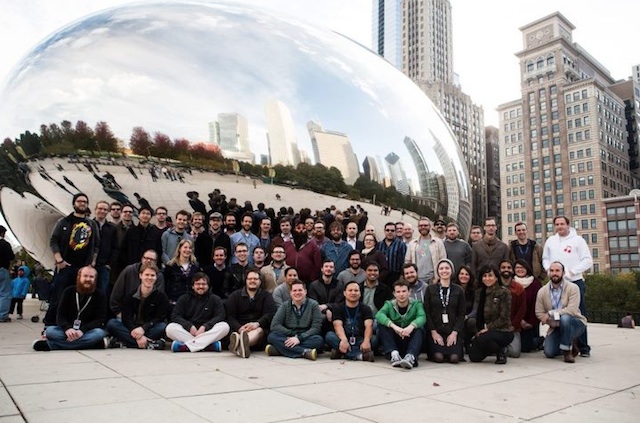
(129,280)
(352,327)
(400,323)
(80,317)
(249,313)
(295,329)
(558,305)
(197,320)
(144,311)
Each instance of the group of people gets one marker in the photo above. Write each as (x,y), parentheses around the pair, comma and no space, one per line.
(320,282)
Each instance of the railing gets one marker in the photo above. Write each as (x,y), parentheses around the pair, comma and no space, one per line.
(609,317)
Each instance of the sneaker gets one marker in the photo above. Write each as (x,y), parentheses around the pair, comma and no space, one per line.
(310,354)
(115,343)
(156,345)
(395,359)
(41,345)
(407,362)
(7,319)
(369,356)
(20,317)
(501,356)
(105,342)
(234,342)
(215,347)
(585,354)
(336,354)
(245,349)
(177,346)
(271,351)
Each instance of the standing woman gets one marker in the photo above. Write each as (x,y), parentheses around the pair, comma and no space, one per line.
(493,320)
(179,271)
(445,305)
(371,253)
(530,335)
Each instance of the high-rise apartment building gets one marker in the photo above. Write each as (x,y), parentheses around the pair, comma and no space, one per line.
(563,144)
(386,35)
(492,135)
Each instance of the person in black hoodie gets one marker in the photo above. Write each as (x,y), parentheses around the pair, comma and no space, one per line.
(328,292)
(197,320)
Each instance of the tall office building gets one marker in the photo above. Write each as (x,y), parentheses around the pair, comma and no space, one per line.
(283,146)
(386,36)
(397,175)
(231,133)
(370,168)
(563,144)
(332,148)
(492,135)
(629,92)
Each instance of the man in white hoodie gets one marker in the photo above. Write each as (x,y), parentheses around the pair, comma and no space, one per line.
(567,247)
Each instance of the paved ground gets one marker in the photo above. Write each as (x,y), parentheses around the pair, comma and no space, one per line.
(160,386)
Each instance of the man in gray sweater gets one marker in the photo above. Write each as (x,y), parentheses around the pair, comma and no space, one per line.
(458,250)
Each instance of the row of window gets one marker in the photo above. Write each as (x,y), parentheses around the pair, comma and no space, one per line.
(575,96)
(577,109)
(623,242)
(622,225)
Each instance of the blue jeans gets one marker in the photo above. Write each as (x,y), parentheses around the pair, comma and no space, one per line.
(583,344)
(334,342)
(102,283)
(61,280)
(391,341)
(5,292)
(120,331)
(277,340)
(561,338)
(57,339)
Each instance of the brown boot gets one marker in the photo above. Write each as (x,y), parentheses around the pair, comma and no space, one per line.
(568,357)
(574,348)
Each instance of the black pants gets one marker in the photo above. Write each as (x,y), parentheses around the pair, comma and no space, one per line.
(488,343)
(14,302)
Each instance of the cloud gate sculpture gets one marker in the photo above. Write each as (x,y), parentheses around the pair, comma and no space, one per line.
(264,88)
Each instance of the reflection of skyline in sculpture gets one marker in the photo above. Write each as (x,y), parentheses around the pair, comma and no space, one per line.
(370,168)
(231,133)
(331,148)
(283,147)
(432,187)
(451,194)
(397,174)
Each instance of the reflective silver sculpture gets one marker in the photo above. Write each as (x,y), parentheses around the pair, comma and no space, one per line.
(264,88)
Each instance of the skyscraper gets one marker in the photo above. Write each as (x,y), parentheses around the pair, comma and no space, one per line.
(563,145)
(370,168)
(397,174)
(283,146)
(332,148)
(386,37)
(231,133)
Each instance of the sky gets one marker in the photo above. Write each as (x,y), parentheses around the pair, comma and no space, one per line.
(486,34)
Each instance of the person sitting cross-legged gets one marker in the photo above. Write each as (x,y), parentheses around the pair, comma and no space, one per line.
(400,323)
(197,320)
(352,335)
(295,329)
(144,312)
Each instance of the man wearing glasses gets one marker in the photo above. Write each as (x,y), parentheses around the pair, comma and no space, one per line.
(425,251)
(273,274)
(440,229)
(115,211)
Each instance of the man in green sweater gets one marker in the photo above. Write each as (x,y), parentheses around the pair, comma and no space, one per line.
(400,323)
(295,329)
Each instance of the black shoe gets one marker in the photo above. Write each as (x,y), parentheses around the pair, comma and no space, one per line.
(41,345)
(501,356)
(156,345)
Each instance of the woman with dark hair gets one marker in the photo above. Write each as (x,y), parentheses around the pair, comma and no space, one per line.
(371,253)
(464,278)
(530,334)
(493,318)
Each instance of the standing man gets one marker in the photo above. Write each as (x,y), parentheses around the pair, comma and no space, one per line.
(249,313)
(108,251)
(490,250)
(273,274)
(528,250)
(265,233)
(475,235)
(229,224)
(407,233)
(115,212)
(354,272)
(286,240)
(425,251)
(6,257)
(573,252)
(161,217)
(172,236)
(319,234)
(141,238)
(558,305)
(458,250)
(394,250)
(336,250)
(218,272)
(214,237)
(399,226)
(352,236)
(238,270)
(197,225)
(245,236)
(417,288)
(129,280)
(75,241)
(440,229)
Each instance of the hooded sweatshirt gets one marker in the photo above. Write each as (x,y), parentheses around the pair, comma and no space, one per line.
(20,285)
(572,251)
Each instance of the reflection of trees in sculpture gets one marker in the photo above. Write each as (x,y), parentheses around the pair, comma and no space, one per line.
(366,188)
(140,141)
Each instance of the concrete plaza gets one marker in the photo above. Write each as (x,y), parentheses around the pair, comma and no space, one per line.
(161,386)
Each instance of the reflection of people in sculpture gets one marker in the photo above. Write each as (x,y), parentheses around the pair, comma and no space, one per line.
(69,182)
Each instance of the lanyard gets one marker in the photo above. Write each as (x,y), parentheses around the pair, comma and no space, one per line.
(556,298)
(444,300)
(352,320)
(80,310)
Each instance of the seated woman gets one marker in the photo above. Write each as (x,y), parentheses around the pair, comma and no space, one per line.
(530,338)
(144,312)
(445,305)
(180,271)
(493,319)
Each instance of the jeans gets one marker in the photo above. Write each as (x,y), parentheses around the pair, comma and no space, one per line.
(583,343)
(561,338)
(5,293)
(102,283)
(61,280)
(277,340)
(57,339)
(488,343)
(120,331)
(352,354)
(391,341)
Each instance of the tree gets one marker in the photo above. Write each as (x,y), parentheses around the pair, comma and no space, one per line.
(162,146)
(181,146)
(30,143)
(84,137)
(140,142)
(104,137)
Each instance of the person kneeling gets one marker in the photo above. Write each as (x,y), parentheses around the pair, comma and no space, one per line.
(197,319)
(295,329)
(353,326)
(143,314)
(400,323)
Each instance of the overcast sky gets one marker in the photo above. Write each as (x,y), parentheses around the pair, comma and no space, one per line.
(486,34)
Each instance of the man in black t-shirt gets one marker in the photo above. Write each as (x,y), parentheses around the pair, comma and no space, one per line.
(352,335)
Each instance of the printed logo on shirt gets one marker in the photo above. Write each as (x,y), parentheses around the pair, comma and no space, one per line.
(567,249)
(80,236)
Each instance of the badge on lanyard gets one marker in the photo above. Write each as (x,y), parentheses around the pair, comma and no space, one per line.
(352,340)
(445,318)
(76,324)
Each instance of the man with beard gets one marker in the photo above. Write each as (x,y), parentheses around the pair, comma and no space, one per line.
(197,320)
(245,236)
(273,274)
(265,233)
(108,251)
(327,291)
(80,318)
(218,272)
(197,225)
(141,238)
(417,288)
(458,250)
(336,250)
(75,242)
(172,237)
(129,280)
(394,250)
(490,250)
(229,224)
(518,306)
(354,272)
(208,241)
(249,313)
(352,236)
(319,237)
(440,229)
(425,251)
(558,305)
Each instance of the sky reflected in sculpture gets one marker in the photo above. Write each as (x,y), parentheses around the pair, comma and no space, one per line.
(261,86)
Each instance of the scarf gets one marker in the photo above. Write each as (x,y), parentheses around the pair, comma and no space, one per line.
(525,282)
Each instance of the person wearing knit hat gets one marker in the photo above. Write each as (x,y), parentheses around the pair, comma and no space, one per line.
(446,306)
